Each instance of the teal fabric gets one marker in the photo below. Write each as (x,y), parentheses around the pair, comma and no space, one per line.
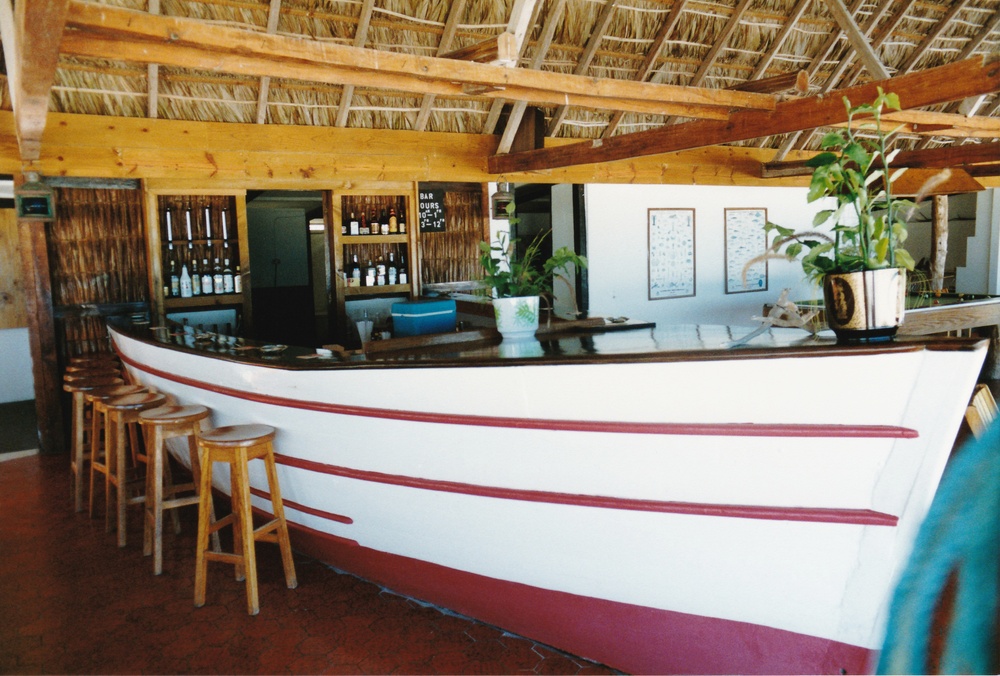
(962,535)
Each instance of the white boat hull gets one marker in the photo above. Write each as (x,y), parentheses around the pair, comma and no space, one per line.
(709,516)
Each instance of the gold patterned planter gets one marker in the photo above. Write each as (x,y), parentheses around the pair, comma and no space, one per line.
(865,307)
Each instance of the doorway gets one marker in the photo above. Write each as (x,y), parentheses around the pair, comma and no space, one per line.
(288,266)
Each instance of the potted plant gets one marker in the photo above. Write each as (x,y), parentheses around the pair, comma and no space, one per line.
(518,285)
(859,260)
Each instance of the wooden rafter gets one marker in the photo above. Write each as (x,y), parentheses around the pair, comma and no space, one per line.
(858,39)
(101,31)
(885,31)
(500,50)
(665,30)
(523,15)
(455,13)
(916,90)
(797,81)
(964,157)
(31,58)
(541,49)
(977,40)
(360,37)
(273,14)
(939,28)
(153,75)
(593,42)
(793,18)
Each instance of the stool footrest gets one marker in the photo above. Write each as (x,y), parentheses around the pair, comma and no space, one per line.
(180,502)
(267,531)
(221,523)
(225,557)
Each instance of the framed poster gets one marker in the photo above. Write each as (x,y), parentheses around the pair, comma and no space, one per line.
(746,239)
(671,253)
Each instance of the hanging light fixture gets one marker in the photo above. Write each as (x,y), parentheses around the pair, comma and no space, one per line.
(502,198)
(34,200)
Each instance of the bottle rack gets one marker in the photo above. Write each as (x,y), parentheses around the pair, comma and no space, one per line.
(195,230)
(371,246)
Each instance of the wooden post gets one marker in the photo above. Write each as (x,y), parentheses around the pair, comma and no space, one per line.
(939,241)
(42,335)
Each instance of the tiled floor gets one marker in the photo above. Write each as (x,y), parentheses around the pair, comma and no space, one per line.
(72,602)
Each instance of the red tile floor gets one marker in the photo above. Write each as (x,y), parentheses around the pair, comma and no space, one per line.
(72,602)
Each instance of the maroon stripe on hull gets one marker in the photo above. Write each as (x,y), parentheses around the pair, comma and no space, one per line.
(339,518)
(632,638)
(862,517)
(607,426)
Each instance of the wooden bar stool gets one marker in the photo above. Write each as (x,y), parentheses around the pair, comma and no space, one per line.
(99,431)
(160,424)
(237,445)
(122,411)
(80,442)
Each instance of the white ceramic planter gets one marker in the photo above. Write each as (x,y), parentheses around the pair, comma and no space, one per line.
(865,306)
(516,317)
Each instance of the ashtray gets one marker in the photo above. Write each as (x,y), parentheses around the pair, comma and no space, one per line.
(272,349)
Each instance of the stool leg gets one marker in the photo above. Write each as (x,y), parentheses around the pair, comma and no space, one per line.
(196,474)
(204,507)
(284,543)
(167,488)
(110,460)
(120,483)
(77,488)
(244,526)
(153,531)
(95,446)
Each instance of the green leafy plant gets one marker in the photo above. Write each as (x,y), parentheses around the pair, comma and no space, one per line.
(869,224)
(511,278)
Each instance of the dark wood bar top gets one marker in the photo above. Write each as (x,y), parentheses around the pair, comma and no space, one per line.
(633,342)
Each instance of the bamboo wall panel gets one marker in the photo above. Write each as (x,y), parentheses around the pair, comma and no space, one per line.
(453,255)
(13,312)
(97,255)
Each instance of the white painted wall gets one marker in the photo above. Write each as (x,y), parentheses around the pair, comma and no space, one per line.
(16,380)
(618,251)
(981,270)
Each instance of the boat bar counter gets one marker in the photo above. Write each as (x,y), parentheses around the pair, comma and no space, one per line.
(672,499)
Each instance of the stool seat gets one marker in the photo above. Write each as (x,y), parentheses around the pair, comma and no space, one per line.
(159,424)
(122,411)
(236,445)
(96,397)
(79,442)
(90,374)
(91,383)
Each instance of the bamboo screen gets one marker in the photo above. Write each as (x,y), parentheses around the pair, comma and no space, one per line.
(453,255)
(97,256)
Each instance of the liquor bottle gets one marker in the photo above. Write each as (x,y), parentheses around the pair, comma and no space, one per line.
(354,228)
(370,274)
(217,285)
(206,277)
(404,276)
(392,272)
(195,278)
(175,280)
(355,277)
(402,222)
(363,226)
(384,222)
(227,277)
(393,221)
(373,225)
(380,271)
(185,282)
(343,227)
(237,280)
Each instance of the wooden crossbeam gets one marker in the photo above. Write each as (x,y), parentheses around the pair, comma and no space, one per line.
(102,31)
(498,51)
(31,58)
(924,88)
(964,157)
(797,81)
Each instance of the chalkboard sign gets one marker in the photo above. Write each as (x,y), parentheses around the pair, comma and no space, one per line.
(431,210)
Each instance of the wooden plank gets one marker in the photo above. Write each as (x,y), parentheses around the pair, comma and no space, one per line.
(928,87)
(36,56)
(101,31)
(936,158)
(955,317)
(797,81)
(13,312)
(42,335)
(500,50)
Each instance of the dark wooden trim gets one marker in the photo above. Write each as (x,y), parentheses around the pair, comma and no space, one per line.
(42,335)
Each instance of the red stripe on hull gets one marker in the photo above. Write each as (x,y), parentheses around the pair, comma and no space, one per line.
(632,638)
(615,427)
(339,518)
(863,517)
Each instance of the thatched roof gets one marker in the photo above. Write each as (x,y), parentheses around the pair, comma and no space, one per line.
(110,67)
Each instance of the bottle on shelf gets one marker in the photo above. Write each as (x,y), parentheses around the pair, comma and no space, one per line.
(195,278)
(370,273)
(185,282)
(384,223)
(227,277)
(217,284)
(404,277)
(175,280)
(380,271)
(402,221)
(206,277)
(393,221)
(363,225)
(354,228)
(374,228)
(354,272)
(392,272)
(238,280)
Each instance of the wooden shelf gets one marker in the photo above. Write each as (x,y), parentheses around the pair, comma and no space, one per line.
(385,289)
(374,239)
(207,301)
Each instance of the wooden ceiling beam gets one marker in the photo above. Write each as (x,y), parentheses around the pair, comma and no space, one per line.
(916,90)
(455,13)
(31,57)
(360,37)
(963,157)
(593,42)
(523,15)
(273,14)
(102,31)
